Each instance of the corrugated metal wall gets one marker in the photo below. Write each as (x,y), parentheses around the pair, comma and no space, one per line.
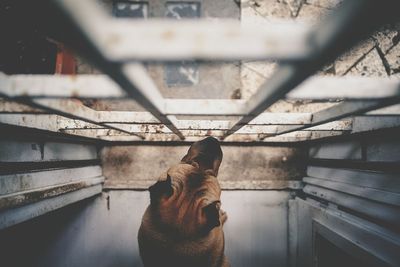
(103,231)
(351,199)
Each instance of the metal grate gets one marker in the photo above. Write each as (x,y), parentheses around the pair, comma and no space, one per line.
(114,47)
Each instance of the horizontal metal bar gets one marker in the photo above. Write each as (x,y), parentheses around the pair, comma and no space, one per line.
(30,151)
(59,86)
(69,108)
(387,213)
(81,86)
(17,215)
(264,124)
(26,197)
(132,117)
(364,192)
(171,40)
(151,132)
(340,111)
(371,123)
(204,107)
(52,123)
(352,21)
(377,180)
(236,138)
(212,126)
(72,109)
(390,110)
(122,117)
(143,130)
(32,180)
(348,87)
(201,39)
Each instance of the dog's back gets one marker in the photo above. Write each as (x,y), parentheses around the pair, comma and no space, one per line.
(183,224)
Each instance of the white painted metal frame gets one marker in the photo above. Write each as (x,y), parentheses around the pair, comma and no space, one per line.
(114,48)
(362,239)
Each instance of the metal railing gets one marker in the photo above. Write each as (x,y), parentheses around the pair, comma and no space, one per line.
(118,47)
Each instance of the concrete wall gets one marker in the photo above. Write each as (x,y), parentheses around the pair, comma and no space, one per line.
(102,232)
(243,167)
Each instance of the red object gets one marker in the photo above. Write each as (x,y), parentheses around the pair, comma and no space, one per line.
(65,61)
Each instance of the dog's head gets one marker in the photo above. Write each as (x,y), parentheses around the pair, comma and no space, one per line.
(186,199)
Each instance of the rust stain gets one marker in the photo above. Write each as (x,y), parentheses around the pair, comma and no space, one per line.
(108,202)
(236,94)
(159,129)
(113,39)
(144,128)
(35,196)
(168,35)
(119,159)
(75,92)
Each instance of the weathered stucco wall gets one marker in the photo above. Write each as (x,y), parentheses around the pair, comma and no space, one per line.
(243,167)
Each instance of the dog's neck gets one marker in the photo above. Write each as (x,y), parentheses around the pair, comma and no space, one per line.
(164,232)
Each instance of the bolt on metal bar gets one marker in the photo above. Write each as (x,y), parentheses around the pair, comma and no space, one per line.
(351,22)
(132,78)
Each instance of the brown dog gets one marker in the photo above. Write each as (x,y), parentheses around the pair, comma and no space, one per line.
(183,224)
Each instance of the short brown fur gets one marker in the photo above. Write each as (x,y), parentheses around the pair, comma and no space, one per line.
(183,224)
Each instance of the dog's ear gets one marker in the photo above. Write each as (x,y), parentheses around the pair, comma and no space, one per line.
(211,213)
(206,154)
(161,188)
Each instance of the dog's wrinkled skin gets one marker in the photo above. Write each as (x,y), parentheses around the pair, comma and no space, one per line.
(183,224)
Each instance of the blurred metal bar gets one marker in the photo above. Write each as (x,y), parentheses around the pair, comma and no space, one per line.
(59,86)
(81,87)
(201,127)
(132,78)
(339,111)
(17,215)
(170,40)
(351,22)
(204,107)
(68,108)
(196,127)
(73,110)
(348,87)
(53,123)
